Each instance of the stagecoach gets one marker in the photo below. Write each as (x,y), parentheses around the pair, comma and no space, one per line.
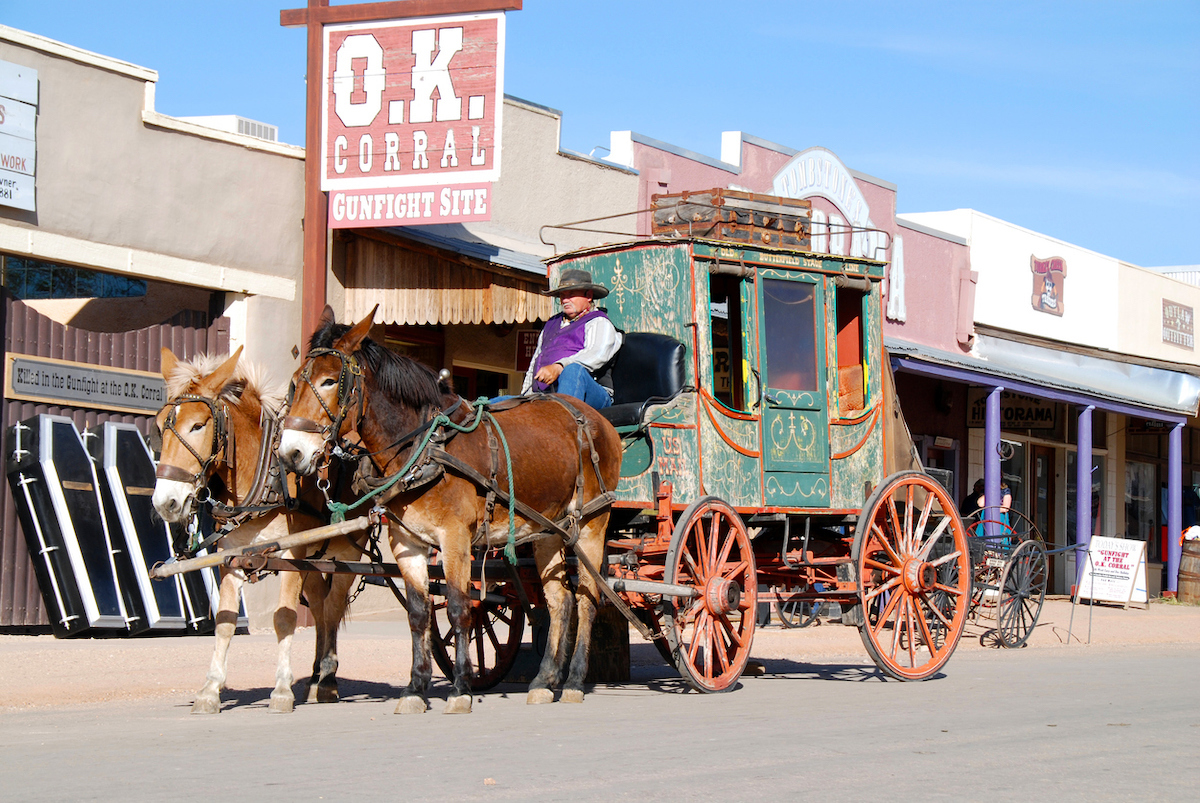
(761,448)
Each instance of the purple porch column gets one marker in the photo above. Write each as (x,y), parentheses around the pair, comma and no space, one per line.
(1174,506)
(1083,490)
(991,450)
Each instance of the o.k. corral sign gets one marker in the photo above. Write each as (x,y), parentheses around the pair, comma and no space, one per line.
(410,120)
(72,384)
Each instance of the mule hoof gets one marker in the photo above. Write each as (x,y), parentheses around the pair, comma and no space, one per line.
(327,694)
(313,694)
(539,697)
(282,704)
(572,696)
(207,705)
(412,704)
(458,705)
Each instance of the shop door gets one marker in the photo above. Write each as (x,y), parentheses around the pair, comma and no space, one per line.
(795,417)
(1041,500)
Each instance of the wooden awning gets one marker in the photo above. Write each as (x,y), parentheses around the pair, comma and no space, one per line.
(415,284)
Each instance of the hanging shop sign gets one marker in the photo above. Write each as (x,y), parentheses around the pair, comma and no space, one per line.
(1049,275)
(1017,411)
(73,384)
(1178,325)
(411,119)
(18,135)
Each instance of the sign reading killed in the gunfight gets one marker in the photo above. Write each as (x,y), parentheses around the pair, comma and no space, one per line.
(74,384)
(410,124)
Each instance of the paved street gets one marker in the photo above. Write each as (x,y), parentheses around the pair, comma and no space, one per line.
(1081,722)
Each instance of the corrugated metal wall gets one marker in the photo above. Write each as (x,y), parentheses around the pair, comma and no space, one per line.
(28,332)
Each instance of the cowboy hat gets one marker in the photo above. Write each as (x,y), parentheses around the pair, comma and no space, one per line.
(574,280)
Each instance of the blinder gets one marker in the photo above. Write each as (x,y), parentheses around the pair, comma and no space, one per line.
(220,429)
(349,393)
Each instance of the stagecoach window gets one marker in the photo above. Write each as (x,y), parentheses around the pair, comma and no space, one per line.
(850,353)
(727,367)
(791,336)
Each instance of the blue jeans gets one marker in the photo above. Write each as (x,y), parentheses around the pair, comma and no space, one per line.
(577,381)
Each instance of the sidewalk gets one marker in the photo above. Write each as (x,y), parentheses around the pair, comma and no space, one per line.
(374,654)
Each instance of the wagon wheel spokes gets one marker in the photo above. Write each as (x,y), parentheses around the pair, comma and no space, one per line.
(1022,591)
(494,634)
(910,553)
(711,633)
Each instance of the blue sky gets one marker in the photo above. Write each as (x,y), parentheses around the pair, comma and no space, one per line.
(1080,120)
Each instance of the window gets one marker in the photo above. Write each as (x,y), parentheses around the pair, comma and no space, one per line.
(1095,528)
(29,279)
(725,308)
(791,337)
(1141,497)
(852,385)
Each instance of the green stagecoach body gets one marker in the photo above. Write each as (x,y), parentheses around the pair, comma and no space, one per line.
(782,408)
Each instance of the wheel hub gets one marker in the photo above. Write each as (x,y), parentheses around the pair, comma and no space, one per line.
(722,595)
(919,576)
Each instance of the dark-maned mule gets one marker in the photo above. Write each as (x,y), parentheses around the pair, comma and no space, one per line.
(351,390)
(212,438)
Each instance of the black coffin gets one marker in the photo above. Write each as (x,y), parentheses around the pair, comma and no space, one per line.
(55,487)
(125,467)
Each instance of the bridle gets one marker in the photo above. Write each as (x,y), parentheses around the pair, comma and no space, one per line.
(349,393)
(220,440)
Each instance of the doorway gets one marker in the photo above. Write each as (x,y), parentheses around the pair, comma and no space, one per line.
(1041,498)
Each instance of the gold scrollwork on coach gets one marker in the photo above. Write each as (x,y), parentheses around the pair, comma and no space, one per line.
(794,437)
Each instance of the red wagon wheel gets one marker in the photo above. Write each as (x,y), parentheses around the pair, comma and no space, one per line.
(494,636)
(710,634)
(914,576)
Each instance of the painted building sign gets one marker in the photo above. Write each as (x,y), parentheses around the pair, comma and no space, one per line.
(844,226)
(1017,411)
(1049,276)
(18,135)
(1178,325)
(410,126)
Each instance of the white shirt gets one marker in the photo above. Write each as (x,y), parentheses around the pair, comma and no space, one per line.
(601,341)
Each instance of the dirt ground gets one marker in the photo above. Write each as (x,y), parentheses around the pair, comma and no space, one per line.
(374,648)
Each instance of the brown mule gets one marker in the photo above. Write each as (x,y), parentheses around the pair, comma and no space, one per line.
(212,439)
(351,390)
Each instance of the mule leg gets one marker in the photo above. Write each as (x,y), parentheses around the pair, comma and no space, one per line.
(317,593)
(591,544)
(335,610)
(283,701)
(208,699)
(552,570)
(457,566)
(414,568)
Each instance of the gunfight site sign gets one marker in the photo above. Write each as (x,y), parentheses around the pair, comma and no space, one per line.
(410,120)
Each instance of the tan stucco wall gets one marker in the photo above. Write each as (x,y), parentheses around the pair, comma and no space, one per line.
(1140,324)
(121,189)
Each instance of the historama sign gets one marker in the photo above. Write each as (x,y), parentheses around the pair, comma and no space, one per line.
(410,119)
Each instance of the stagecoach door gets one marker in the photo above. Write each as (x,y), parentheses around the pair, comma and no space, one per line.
(793,402)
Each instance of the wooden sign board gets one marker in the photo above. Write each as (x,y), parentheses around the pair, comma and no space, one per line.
(1115,571)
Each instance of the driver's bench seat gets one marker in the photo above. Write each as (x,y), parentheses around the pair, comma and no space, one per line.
(649,369)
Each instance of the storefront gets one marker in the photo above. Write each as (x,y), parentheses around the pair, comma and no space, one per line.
(123,231)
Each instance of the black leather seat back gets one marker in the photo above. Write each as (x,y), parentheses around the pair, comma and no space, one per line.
(649,366)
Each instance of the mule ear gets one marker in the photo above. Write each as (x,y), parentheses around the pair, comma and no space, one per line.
(349,342)
(326,320)
(169,362)
(214,382)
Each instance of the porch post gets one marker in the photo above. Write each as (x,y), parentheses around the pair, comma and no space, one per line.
(1083,490)
(991,449)
(1174,506)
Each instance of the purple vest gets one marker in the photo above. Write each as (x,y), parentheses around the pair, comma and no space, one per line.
(561,341)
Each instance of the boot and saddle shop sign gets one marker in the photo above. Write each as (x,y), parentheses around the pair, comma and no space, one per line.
(72,384)
(410,120)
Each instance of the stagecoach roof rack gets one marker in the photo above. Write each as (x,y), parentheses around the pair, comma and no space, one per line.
(734,216)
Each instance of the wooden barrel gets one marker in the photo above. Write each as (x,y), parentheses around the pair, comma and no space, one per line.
(1189,572)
